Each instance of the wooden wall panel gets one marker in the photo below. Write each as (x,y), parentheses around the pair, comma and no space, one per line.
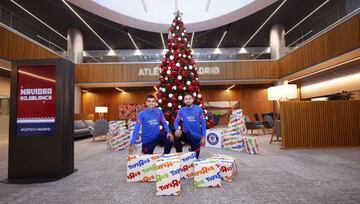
(252,100)
(320,124)
(14,47)
(345,37)
(93,73)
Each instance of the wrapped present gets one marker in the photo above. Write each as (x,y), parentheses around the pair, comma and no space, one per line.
(230,132)
(207,173)
(186,163)
(251,145)
(141,168)
(168,176)
(228,166)
(237,121)
(233,143)
(213,138)
(118,137)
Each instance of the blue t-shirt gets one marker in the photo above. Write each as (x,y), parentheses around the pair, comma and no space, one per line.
(149,120)
(194,123)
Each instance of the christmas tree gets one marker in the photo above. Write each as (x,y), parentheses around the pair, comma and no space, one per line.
(178,73)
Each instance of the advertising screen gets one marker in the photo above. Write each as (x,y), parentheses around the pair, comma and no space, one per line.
(36,109)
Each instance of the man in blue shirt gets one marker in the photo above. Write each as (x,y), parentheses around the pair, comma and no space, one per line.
(149,120)
(194,125)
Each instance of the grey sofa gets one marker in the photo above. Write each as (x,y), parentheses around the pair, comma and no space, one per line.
(81,128)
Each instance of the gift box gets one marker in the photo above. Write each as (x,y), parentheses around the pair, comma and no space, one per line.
(213,138)
(141,168)
(228,166)
(233,143)
(237,121)
(168,176)
(207,173)
(118,137)
(251,145)
(186,163)
(230,132)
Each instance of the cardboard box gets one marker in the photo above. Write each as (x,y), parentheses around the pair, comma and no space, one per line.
(213,138)
(207,173)
(118,136)
(141,168)
(168,176)
(228,166)
(233,143)
(251,145)
(186,163)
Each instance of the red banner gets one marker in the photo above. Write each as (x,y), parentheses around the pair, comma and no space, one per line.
(36,94)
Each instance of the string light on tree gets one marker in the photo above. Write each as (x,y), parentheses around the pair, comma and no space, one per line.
(178,73)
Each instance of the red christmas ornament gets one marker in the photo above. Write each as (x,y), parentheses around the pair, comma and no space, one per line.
(184,74)
(191,89)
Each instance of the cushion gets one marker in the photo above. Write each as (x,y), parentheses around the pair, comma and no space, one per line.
(89,123)
(79,124)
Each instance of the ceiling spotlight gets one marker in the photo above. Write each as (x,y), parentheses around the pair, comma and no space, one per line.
(217,51)
(111,53)
(138,52)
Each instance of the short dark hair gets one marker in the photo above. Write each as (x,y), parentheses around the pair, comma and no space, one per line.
(187,93)
(150,96)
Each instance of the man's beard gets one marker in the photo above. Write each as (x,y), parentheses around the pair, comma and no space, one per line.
(188,105)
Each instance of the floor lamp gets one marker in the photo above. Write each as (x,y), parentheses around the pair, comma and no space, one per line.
(280,93)
(101,110)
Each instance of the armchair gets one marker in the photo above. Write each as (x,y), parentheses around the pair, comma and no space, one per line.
(101,128)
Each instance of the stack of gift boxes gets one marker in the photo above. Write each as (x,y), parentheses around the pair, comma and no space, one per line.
(118,136)
(232,136)
(237,121)
(168,170)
